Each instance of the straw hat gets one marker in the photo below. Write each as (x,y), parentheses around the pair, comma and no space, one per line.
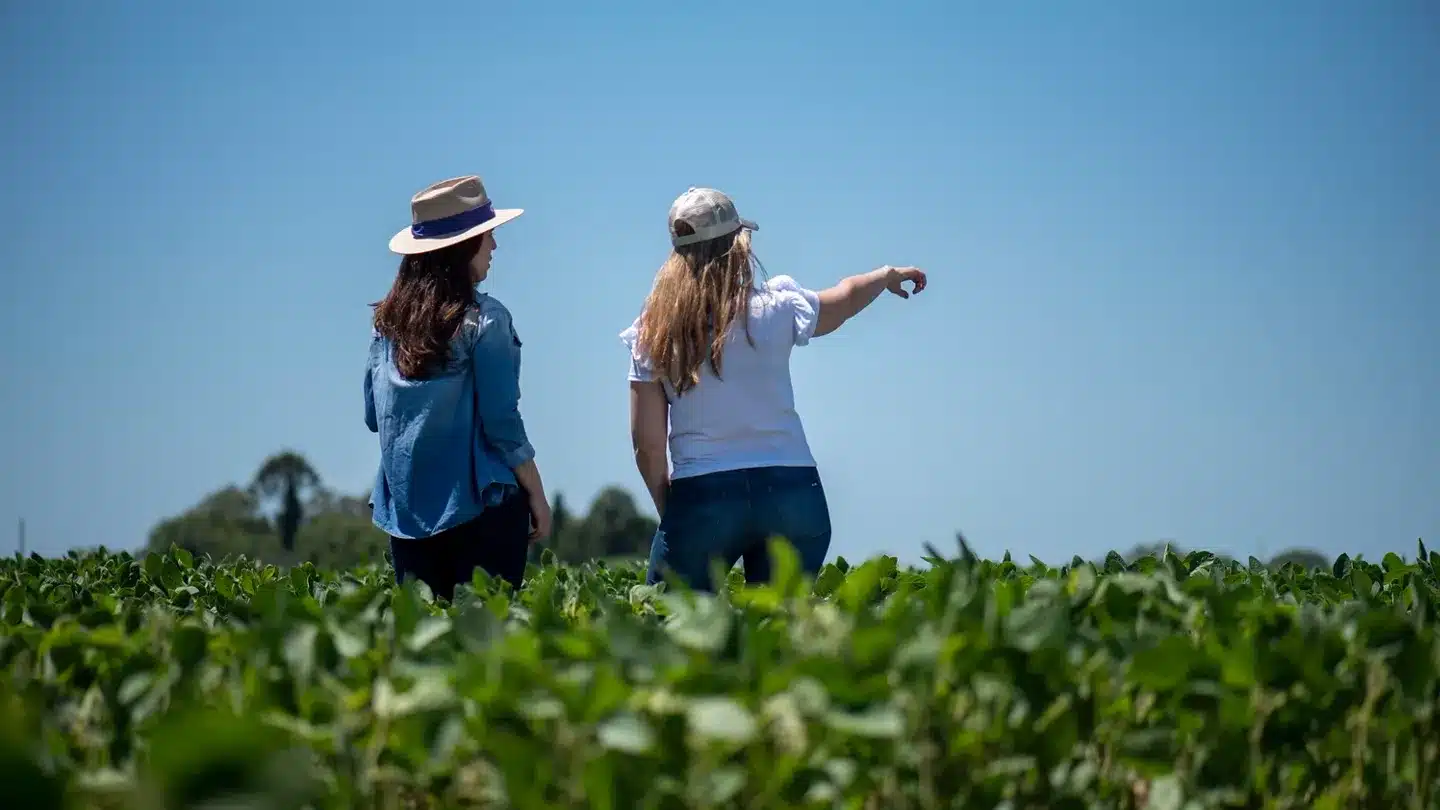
(448,212)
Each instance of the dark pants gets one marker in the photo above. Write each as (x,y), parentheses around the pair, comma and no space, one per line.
(497,541)
(732,515)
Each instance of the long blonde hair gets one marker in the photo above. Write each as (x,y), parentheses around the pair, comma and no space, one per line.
(699,292)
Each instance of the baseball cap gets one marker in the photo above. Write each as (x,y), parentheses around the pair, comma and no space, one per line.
(709,213)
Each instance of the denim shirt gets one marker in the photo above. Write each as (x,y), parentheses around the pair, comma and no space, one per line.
(448,443)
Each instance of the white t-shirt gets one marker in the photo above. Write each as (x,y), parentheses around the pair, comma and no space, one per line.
(747,419)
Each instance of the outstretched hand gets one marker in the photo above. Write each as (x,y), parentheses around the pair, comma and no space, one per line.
(896,277)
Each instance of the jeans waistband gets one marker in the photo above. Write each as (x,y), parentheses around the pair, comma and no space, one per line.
(745,480)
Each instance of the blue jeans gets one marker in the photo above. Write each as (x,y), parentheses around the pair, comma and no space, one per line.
(732,515)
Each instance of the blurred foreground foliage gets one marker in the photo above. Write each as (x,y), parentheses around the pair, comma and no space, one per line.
(1172,683)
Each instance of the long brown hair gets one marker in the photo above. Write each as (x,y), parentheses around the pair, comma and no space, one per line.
(426,305)
(699,292)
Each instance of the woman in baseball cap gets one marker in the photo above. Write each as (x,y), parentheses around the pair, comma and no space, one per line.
(457,486)
(710,382)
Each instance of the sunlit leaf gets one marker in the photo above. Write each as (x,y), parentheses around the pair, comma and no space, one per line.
(720,718)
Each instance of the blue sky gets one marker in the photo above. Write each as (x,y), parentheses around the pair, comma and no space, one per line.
(1183,262)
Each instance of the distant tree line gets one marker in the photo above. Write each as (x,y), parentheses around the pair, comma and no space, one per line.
(286,515)
(1304,557)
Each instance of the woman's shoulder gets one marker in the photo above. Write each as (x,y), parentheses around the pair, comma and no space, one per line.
(783,284)
(484,313)
(486,305)
(784,293)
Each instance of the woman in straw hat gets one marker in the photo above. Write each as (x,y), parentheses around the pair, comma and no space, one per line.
(457,486)
(710,378)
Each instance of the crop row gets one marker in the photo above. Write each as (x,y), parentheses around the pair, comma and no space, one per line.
(1163,683)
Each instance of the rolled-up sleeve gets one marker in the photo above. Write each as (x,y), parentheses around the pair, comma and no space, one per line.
(496,363)
(804,304)
(641,369)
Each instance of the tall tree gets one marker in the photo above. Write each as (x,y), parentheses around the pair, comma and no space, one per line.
(286,476)
(560,516)
(613,527)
